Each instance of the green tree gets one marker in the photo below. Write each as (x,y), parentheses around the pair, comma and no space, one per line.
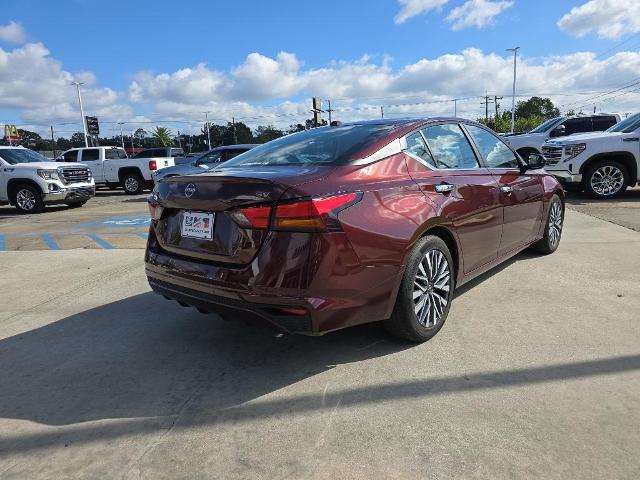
(77,140)
(537,107)
(264,134)
(162,136)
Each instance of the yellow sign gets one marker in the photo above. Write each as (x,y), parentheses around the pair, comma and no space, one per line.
(10,131)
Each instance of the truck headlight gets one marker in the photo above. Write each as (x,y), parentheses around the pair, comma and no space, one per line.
(48,174)
(574,150)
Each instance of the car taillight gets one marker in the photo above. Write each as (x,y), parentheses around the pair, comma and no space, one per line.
(155,209)
(309,215)
(252,217)
(153,165)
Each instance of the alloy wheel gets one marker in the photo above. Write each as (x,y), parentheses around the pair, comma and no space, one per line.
(25,199)
(555,223)
(431,288)
(607,180)
(131,184)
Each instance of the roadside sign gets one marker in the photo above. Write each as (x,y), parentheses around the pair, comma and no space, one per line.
(92,125)
(11,133)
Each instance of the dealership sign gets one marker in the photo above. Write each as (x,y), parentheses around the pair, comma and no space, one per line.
(92,125)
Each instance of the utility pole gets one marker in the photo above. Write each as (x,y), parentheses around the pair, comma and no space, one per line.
(53,143)
(179,141)
(121,135)
(233,123)
(206,116)
(513,94)
(496,104)
(487,101)
(84,123)
(381,111)
(329,110)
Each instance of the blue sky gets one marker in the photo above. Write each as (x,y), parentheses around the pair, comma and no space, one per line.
(131,53)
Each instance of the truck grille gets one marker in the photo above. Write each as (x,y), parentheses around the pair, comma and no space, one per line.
(74,175)
(552,155)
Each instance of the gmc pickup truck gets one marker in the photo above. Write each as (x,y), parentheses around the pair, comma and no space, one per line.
(532,142)
(29,181)
(604,164)
(111,167)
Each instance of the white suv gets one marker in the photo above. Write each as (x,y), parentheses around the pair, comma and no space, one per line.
(604,164)
(30,181)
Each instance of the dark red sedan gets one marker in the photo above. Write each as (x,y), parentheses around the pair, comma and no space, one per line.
(362,222)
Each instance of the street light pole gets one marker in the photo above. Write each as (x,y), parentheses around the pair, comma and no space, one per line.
(513,95)
(84,124)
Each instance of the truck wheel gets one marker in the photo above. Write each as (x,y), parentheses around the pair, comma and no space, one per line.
(132,183)
(76,204)
(28,199)
(606,179)
(426,291)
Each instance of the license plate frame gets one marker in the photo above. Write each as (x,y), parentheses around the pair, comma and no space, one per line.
(197,225)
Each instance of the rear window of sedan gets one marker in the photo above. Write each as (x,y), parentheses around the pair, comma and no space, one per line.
(318,146)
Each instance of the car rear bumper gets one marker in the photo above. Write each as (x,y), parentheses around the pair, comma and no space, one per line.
(71,194)
(296,292)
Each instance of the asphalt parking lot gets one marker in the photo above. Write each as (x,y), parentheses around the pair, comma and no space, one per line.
(535,375)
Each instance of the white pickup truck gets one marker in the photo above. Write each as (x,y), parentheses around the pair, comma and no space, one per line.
(29,181)
(604,164)
(533,141)
(112,167)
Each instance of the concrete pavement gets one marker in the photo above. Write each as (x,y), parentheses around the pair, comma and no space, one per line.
(535,375)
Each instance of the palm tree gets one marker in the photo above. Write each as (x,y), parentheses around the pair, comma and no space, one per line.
(162,135)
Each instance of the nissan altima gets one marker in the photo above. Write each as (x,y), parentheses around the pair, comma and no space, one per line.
(342,225)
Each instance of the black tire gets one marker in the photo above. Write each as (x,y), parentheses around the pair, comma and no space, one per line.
(76,204)
(405,322)
(552,229)
(27,199)
(132,183)
(594,172)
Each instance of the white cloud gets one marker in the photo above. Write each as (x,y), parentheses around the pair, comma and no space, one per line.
(12,32)
(608,18)
(476,13)
(412,8)
(37,85)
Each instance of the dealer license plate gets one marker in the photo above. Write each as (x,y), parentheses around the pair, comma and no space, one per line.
(198,225)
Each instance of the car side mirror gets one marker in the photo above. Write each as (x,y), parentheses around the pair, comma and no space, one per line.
(559,131)
(535,161)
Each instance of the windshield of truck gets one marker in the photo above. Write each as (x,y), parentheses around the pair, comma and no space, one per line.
(548,125)
(318,146)
(21,155)
(627,125)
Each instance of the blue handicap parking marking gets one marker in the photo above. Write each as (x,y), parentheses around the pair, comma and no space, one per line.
(143,235)
(120,221)
(100,241)
(2,243)
(51,243)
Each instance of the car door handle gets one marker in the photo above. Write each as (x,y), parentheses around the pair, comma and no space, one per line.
(506,190)
(444,188)
(632,139)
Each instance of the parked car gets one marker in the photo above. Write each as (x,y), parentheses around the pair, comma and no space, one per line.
(29,181)
(532,142)
(204,161)
(111,167)
(160,152)
(604,164)
(338,226)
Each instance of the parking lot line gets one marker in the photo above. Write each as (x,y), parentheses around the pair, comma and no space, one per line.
(51,243)
(100,241)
